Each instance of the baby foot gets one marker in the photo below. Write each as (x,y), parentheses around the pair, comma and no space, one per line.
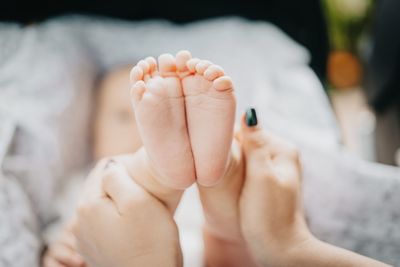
(210,114)
(159,106)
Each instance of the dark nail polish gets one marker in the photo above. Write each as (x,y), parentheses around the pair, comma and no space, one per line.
(251,117)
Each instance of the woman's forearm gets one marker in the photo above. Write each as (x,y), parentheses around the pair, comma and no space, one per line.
(316,253)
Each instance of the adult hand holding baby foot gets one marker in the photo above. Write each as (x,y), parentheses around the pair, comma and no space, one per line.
(120,224)
(185,109)
(267,209)
(253,215)
(165,164)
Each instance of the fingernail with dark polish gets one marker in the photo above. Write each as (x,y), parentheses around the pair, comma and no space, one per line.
(251,117)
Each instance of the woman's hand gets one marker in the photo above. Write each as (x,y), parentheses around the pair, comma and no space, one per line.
(271,213)
(261,203)
(120,224)
(271,210)
(263,212)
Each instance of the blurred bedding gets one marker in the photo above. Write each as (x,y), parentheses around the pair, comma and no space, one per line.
(48,71)
(46,79)
(19,232)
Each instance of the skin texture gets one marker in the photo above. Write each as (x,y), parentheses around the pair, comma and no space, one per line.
(63,253)
(254,214)
(273,188)
(210,113)
(234,195)
(159,105)
(185,109)
(119,223)
(222,231)
(140,212)
(271,218)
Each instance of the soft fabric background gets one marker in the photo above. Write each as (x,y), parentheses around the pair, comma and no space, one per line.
(19,240)
(46,81)
(47,73)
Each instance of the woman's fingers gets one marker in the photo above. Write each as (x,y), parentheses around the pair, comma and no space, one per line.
(270,199)
(139,169)
(117,178)
(268,155)
(255,145)
(124,223)
(64,255)
(93,184)
(52,262)
(121,189)
(69,239)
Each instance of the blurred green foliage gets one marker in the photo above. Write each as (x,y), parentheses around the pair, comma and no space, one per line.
(347,21)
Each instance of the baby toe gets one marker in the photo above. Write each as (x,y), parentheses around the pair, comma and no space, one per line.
(145,68)
(137,92)
(182,57)
(223,83)
(136,74)
(167,65)
(152,64)
(213,72)
(191,64)
(202,66)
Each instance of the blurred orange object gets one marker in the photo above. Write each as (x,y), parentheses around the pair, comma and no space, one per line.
(344,70)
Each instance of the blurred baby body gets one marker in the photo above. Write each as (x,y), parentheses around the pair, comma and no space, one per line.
(112,133)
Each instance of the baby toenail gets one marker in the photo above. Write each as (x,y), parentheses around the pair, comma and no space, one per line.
(251,117)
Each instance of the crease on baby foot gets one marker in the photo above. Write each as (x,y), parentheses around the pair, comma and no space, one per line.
(169,74)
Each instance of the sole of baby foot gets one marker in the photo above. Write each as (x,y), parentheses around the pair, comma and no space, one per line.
(210,112)
(222,231)
(220,202)
(159,105)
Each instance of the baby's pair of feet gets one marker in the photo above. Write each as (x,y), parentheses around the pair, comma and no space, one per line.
(185,111)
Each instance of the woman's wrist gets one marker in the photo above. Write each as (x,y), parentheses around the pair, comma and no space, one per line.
(314,252)
(296,246)
(280,247)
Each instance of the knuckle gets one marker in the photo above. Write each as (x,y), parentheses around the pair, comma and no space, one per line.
(85,208)
(109,174)
(258,139)
(288,187)
(135,202)
(47,259)
(285,147)
(82,209)
(269,174)
(102,164)
(265,174)
(292,151)
(128,205)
